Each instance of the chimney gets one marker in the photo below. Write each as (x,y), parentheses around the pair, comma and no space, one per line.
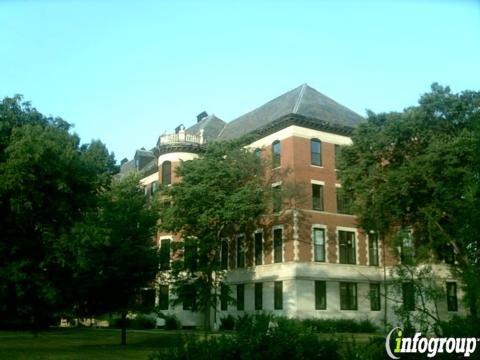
(201,116)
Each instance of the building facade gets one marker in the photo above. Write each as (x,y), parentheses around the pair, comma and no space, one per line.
(311,260)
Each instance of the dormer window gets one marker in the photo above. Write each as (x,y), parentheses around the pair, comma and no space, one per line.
(166,173)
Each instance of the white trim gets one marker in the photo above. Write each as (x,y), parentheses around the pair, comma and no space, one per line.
(325,239)
(277,183)
(175,157)
(299,131)
(150,179)
(281,227)
(354,230)
(317,182)
(338,185)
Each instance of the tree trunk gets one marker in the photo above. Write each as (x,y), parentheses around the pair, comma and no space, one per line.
(124,328)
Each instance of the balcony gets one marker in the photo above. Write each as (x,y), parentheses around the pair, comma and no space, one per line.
(181,137)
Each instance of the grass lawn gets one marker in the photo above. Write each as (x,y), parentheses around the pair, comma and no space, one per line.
(84,343)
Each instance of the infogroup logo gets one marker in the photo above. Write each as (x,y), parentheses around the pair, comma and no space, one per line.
(431,346)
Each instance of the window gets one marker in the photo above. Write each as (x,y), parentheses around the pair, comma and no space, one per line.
(258,296)
(190,254)
(258,248)
(408,294)
(153,187)
(147,299)
(316,152)
(406,247)
(189,296)
(224,254)
(319,244)
(166,173)
(347,247)
(373,249)
(276,149)
(164,254)
(348,296)
(452,302)
(320,295)
(277,198)
(240,297)
(447,254)
(337,155)
(241,251)
(375,297)
(163,297)
(224,297)
(278,295)
(317,197)
(258,153)
(343,202)
(277,245)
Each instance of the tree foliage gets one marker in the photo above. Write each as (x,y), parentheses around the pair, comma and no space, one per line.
(420,169)
(114,252)
(47,180)
(220,194)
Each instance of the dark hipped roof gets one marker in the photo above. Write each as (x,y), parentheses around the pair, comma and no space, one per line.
(304,101)
(211,125)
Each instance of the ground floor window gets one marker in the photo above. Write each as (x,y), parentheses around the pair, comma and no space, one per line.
(348,296)
(375,297)
(258,296)
(320,295)
(452,301)
(240,297)
(189,297)
(408,294)
(278,295)
(163,297)
(223,297)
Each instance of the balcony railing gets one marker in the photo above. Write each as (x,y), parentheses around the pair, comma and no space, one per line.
(182,137)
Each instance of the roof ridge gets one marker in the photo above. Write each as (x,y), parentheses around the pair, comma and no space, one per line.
(299,99)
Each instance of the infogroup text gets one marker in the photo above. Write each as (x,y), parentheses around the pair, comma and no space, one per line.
(430,346)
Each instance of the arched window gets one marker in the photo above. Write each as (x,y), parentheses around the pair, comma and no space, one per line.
(316,152)
(166,173)
(276,149)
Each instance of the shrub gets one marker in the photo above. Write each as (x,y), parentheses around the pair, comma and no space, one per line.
(172,322)
(460,327)
(373,350)
(116,322)
(256,340)
(340,325)
(142,322)
(227,323)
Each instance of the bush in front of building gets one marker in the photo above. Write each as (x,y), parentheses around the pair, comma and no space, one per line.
(172,322)
(341,325)
(460,327)
(256,338)
(139,322)
(227,323)
(143,322)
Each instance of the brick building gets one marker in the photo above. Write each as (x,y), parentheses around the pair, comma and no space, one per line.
(313,261)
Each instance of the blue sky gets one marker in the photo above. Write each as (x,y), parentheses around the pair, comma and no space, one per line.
(126,71)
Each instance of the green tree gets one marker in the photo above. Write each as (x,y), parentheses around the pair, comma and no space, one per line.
(46,181)
(115,254)
(419,169)
(221,194)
